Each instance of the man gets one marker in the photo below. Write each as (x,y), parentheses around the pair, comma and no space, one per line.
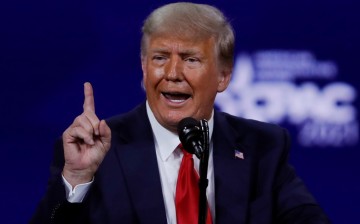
(125,170)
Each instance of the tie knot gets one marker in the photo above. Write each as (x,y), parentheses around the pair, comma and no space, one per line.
(186,153)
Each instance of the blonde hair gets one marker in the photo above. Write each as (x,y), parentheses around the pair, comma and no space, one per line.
(192,20)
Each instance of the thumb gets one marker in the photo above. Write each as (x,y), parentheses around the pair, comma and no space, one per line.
(105,134)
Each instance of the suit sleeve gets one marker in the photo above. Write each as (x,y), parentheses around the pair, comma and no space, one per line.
(295,204)
(54,207)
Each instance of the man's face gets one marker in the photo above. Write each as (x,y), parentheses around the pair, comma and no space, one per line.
(182,77)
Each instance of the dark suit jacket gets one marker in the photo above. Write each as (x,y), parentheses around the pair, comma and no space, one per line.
(261,188)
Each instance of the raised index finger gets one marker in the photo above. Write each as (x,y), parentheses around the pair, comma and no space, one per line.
(89,104)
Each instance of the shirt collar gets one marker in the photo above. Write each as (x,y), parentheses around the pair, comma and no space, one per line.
(165,140)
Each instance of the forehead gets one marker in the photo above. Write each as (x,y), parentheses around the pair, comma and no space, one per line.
(181,43)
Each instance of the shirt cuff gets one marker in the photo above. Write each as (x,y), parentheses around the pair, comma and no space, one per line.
(77,194)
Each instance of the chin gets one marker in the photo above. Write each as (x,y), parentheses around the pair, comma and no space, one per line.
(172,122)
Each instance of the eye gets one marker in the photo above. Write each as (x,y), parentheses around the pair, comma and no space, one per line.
(159,59)
(193,62)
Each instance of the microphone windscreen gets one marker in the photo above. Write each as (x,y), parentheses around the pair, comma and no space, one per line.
(187,122)
(190,135)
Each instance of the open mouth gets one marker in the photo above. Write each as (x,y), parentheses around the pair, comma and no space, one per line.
(176,97)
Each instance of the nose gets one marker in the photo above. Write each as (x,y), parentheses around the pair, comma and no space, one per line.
(173,70)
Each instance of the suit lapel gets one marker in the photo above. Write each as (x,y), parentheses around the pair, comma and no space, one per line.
(138,160)
(232,174)
(233,178)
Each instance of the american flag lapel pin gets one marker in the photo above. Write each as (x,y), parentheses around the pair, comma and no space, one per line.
(239,154)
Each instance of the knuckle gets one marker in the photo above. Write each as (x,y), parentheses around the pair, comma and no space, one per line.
(78,119)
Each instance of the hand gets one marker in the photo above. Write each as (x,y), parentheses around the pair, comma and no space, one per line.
(86,143)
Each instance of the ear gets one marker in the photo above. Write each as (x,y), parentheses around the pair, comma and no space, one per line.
(143,68)
(224,79)
(143,64)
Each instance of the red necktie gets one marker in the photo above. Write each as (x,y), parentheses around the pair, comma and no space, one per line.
(187,192)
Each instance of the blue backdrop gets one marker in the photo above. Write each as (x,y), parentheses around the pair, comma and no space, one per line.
(48,49)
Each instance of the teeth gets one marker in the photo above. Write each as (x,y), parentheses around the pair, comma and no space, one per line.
(177,101)
(176,98)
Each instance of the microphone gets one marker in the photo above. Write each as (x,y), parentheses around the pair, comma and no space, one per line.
(194,136)
(190,136)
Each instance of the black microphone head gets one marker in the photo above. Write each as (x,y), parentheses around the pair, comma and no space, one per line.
(187,122)
(189,133)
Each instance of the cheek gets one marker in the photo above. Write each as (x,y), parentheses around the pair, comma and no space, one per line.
(151,77)
(207,89)
(154,74)
(158,73)
(208,84)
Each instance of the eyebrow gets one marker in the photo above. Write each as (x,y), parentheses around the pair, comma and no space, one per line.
(181,52)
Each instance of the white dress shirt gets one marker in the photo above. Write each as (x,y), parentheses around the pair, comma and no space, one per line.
(169,159)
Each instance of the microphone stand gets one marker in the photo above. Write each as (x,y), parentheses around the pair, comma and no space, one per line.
(203,168)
